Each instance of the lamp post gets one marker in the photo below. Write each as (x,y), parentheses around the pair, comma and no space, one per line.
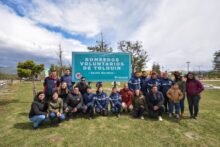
(187,65)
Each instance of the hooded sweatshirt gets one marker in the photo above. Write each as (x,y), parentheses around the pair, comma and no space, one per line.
(174,94)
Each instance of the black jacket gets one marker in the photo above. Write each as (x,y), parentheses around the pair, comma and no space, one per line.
(38,108)
(74,100)
(155,99)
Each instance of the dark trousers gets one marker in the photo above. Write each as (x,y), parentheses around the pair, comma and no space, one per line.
(138,112)
(156,113)
(116,109)
(90,111)
(182,105)
(166,102)
(193,102)
(103,112)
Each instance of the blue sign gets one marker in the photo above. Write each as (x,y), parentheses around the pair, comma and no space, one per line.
(101,66)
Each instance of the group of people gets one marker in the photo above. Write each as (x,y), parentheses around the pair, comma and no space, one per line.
(62,99)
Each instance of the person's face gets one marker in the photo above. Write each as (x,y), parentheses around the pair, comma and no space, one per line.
(114,90)
(136,74)
(190,76)
(54,74)
(165,75)
(137,92)
(100,89)
(154,76)
(41,96)
(144,73)
(83,81)
(126,86)
(89,90)
(55,96)
(175,86)
(67,72)
(76,90)
(154,89)
(64,85)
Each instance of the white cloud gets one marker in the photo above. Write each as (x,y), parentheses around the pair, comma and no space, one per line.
(181,31)
(23,34)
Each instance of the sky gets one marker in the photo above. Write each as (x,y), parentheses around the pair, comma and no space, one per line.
(172,32)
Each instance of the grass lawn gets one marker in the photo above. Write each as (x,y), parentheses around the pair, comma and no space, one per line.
(16,129)
(214,83)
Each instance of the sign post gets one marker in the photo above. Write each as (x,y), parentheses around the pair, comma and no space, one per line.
(101,66)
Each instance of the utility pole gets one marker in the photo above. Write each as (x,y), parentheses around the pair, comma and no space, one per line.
(102,42)
(187,65)
(60,52)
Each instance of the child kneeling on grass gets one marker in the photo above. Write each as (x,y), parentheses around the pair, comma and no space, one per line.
(175,95)
(56,109)
(38,113)
(101,102)
(115,101)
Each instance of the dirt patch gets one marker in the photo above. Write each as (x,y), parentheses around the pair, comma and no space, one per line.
(192,135)
(2,110)
(55,138)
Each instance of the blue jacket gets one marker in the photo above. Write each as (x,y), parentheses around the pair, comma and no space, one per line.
(68,80)
(89,99)
(115,99)
(101,100)
(50,85)
(134,83)
(144,84)
(165,85)
(152,82)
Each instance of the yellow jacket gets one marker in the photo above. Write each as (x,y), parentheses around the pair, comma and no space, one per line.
(174,94)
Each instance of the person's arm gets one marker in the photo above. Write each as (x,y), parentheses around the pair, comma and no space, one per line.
(106,101)
(200,87)
(66,102)
(161,100)
(169,94)
(37,111)
(145,103)
(61,106)
(80,103)
(150,105)
(129,98)
(180,94)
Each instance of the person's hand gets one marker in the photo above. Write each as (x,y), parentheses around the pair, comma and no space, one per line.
(74,110)
(47,115)
(78,99)
(58,114)
(66,110)
(155,107)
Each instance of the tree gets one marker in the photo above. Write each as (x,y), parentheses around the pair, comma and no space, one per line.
(101,46)
(29,69)
(216,61)
(156,68)
(138,55)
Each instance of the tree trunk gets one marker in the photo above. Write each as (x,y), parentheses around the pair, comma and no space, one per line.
(34,87)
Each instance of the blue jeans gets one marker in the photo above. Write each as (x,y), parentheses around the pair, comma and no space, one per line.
(176,105)
(37,120)
(182,104)
(54,115)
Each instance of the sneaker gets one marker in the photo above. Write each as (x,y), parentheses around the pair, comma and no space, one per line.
(170,115)
(177,116)
(160,118)
(142,117)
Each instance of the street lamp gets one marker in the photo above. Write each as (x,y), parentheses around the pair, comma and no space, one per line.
(187,65)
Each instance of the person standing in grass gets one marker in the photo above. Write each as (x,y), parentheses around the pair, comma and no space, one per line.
(115,102)
(63,91)
(73,103)
(89,102)
(193,90)
(175,95)
(51,84)
(126,96)
(56,108)
(82,85)
(144,80)
(155,103)
(139,103)
(38,113)
(182,86)
(68,79)
(166,84)
(134,82)
(101,102)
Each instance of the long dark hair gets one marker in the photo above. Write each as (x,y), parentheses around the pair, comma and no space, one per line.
(187,78)
(38,94)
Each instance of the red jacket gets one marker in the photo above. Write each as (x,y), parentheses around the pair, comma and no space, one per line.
(126,96)
(194,87)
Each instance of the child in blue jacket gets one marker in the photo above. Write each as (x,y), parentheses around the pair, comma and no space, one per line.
(115,102)
(101,102)
(89,102)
